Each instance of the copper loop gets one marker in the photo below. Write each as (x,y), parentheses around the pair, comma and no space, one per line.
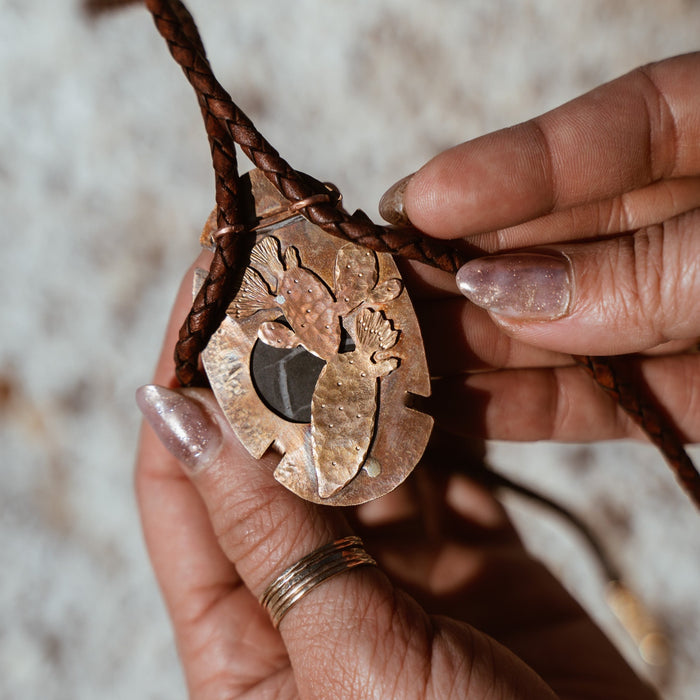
(224,230)
(309,201)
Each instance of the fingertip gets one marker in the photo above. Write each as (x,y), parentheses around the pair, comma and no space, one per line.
(185,428)
(391,204)
(484,184)
(433,192)
(629,294)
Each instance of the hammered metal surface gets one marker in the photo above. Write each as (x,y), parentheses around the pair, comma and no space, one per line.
(344,404)
(304,289)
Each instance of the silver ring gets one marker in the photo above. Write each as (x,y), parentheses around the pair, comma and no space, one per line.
(300,578)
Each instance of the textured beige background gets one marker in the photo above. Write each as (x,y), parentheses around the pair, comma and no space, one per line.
(104,184)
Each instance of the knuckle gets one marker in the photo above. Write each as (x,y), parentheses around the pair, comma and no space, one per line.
(560,405)
(648,273)
(658,279)
(245,522)
(546,162)
(614,215)
(640,291)
(661,125)
(260,534)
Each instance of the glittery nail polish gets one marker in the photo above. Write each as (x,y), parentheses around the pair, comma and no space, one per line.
(184,427)
(391,205)
(524,286)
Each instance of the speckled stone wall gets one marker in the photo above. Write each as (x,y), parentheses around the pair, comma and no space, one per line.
(104,186)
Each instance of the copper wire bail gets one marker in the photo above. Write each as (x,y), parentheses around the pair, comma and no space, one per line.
(314,199)
(224,230)
(333,196)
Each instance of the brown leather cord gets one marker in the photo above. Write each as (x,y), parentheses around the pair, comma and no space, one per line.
(621,379)
(226,124)
(176,25)
(218,105)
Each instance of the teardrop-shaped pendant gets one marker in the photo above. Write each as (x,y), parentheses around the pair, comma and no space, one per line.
(318,357)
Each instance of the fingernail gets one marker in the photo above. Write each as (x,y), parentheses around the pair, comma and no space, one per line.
(186,430)
(391,205)
(524,286)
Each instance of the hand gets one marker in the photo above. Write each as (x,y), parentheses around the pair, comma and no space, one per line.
(219,528)
(607,187)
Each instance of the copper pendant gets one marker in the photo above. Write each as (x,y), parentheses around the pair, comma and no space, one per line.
(318,357)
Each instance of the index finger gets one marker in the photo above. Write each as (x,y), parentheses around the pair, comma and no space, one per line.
(626,134)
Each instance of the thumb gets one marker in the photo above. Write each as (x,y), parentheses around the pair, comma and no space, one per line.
(353,636)
(623,295)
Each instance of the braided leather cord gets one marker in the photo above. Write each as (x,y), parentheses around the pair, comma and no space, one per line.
(620,379)
(218,106)
(226,124)
(176,25)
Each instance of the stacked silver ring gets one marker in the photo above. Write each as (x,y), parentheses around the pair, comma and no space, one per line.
(300,578)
